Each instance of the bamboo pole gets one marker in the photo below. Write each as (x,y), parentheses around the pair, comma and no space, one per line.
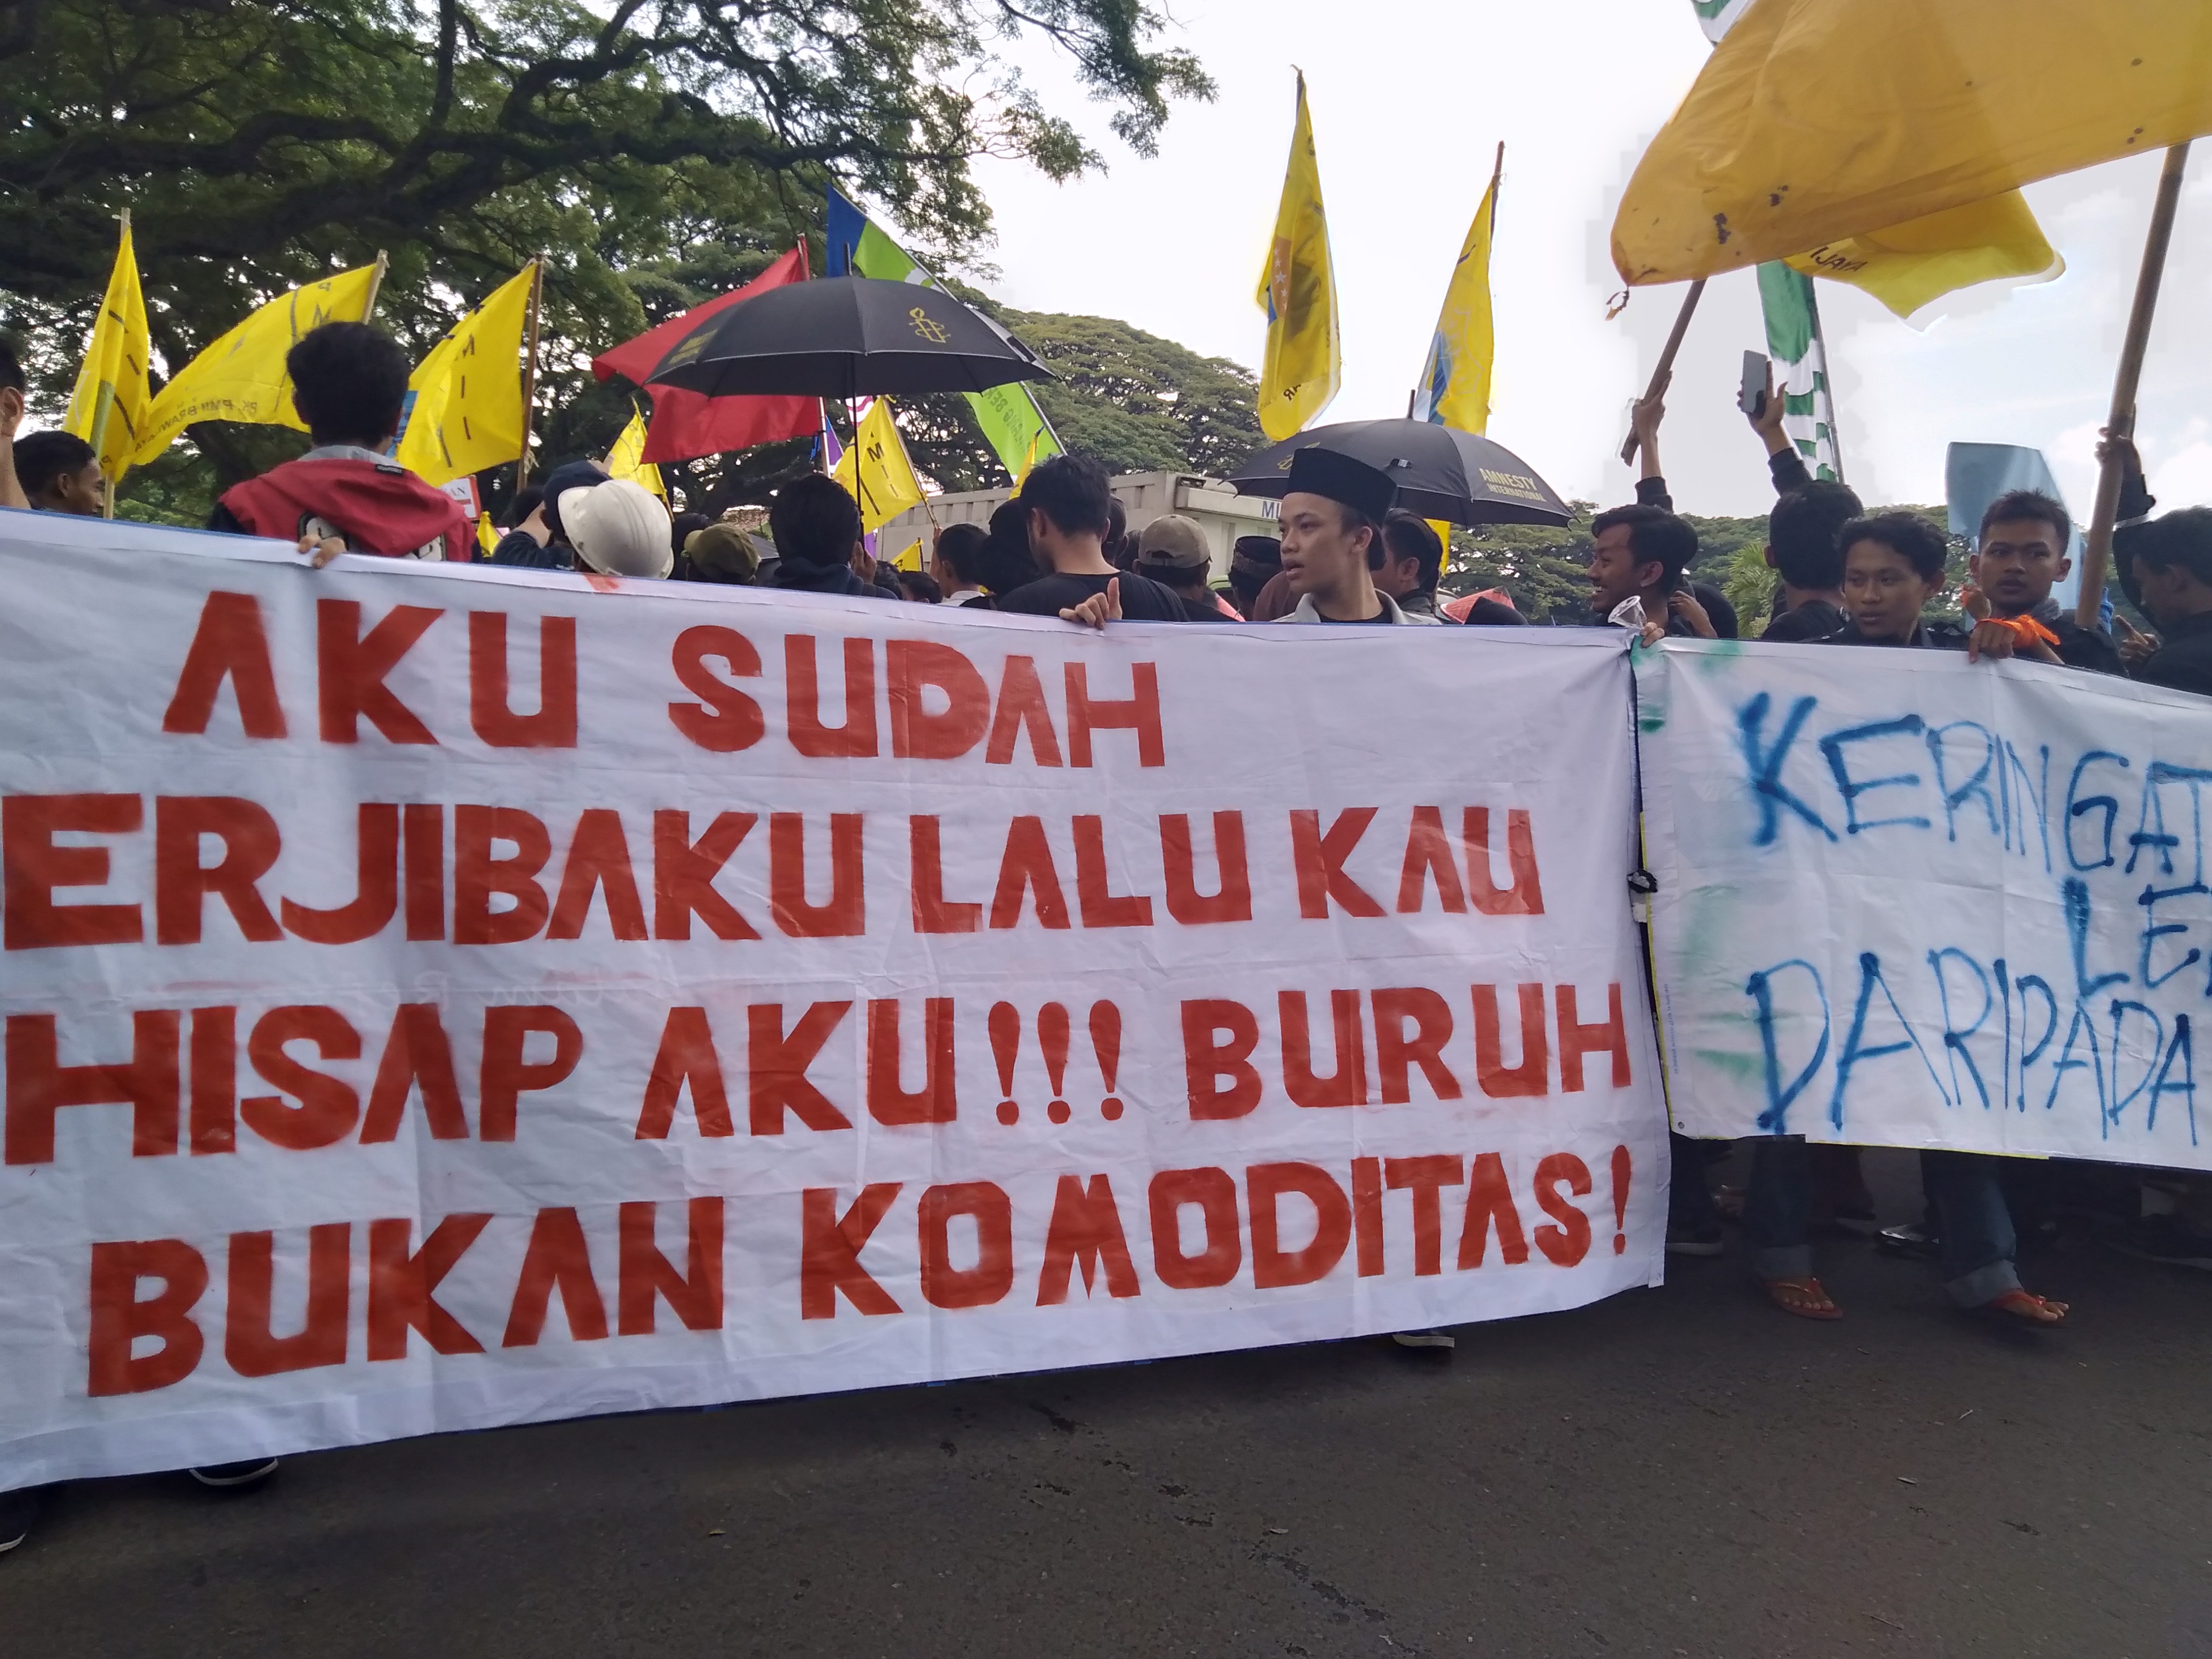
(2097,556)
(530,372)
(375,284)
(1667,356)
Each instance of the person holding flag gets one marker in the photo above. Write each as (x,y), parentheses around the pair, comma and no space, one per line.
(349,382)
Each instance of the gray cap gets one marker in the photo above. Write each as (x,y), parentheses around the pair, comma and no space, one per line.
(1175,542)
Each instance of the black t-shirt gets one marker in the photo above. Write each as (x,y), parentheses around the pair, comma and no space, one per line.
(1143,599)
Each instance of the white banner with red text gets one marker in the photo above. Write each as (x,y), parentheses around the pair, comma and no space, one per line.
(440,997)
(1908,900)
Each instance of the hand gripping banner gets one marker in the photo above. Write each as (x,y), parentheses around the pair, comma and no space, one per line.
(438,997)
(1907,900)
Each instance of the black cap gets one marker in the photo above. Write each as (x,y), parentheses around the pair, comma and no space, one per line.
(1261,550)
(1317,471)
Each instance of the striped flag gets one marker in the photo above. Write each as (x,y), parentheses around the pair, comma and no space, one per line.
(1800,366)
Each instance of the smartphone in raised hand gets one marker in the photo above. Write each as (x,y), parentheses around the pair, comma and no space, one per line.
(1752,398)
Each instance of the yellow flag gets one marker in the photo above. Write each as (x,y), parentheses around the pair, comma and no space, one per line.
(464,401)
(625,460)
(487,537)
(1949,104)
(241,377)
(1454,388)
(108,410)
(876,471)
(910,560)
(1305,361)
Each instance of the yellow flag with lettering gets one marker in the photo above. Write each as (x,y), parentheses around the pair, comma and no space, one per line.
(876,470)
(1303,362)
(109,407)
(241,377)
(627,459)
(464,401)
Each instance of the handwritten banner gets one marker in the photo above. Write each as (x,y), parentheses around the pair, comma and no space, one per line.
(1908,900)
(436,998)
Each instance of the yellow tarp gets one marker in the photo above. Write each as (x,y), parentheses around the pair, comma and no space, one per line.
(1819,120)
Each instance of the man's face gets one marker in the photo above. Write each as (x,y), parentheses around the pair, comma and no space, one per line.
(2019,563)
(1882,590)
(1614,575)
(83,492)
(2165,594)
(1319,556)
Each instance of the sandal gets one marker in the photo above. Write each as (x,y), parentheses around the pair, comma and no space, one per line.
(2018,1307)
(1802,1297)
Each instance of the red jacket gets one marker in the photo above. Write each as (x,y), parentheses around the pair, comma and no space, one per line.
(375,506)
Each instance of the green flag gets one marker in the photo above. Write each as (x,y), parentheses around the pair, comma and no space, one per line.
(1800,366)
(1012,424)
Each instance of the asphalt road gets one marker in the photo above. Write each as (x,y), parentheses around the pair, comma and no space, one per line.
(1678,1472)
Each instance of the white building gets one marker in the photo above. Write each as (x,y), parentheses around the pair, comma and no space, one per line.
(1220,511)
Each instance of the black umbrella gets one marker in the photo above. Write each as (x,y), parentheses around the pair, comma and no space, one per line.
(847,337)
(1441,473)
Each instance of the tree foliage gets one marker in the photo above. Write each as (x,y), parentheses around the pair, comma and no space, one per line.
(660,150)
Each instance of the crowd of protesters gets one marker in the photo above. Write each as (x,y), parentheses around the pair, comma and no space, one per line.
(1348,555)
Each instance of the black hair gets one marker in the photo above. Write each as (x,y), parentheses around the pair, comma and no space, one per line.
(349,383)
(44,459)
(11,366)
(1007,560)
(1117,524)
(1655,536)
(1801,530)
(1072,492)
(2019,505)
(921,588)
(960,550)
(682,526)
(1908,535)
(814,521)
(526,501)
(1409,536)
(2183,539)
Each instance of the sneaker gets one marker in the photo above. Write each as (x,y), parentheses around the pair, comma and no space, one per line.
(1443,1340)
(1915,1239)
(1707,1240)
(19,1512)
(231,1475)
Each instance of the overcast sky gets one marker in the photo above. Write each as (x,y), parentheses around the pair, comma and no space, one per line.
(1410,97)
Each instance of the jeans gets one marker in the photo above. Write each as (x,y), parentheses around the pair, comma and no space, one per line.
(1689,1196)
(1778,1208)
(1976,1259)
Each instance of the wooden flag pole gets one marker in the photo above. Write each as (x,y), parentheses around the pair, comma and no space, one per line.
(1666,357)
(2097,556)
(530,371)
(375,284)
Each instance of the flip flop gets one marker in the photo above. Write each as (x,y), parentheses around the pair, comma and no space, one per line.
(1802,1297)
(2018,1307)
